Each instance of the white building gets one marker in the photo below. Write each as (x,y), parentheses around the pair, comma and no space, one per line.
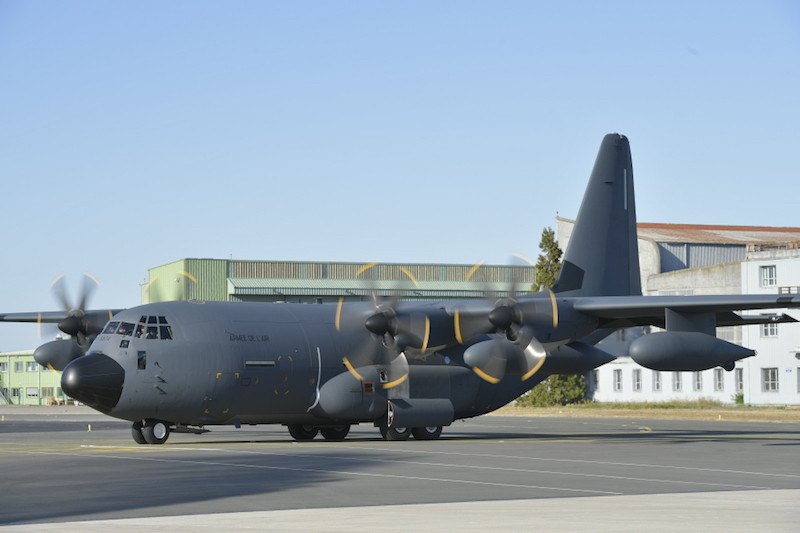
(774,373)
(686,260)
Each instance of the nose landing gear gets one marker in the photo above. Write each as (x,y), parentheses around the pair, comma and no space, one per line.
(150,431)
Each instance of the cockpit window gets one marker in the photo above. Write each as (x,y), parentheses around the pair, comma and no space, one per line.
(119,328)
(149,327)
(126,328)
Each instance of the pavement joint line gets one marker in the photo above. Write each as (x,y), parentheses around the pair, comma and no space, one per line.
(339,472)
(465,467)
(588,461)
(383,460)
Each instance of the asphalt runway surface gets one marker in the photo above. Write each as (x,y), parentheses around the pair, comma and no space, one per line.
(63,466)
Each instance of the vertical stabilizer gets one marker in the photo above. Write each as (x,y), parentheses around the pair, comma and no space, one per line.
(602,256)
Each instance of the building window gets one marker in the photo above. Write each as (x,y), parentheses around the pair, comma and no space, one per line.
(697,381)
(4,367)
(15,392)
(18,366)
(32,392)
(637,380)
(32,366)
(768,276)
(738,375)
(596,379)
(617,380)
(719,380)
(676,382)
(47,392)
(656,381)
(769,329)
(769,380)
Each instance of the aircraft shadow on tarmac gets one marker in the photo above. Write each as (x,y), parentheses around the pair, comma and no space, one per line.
(133,485)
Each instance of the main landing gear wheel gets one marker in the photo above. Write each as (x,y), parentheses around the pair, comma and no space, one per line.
(335,432)
(136,433)
(427,433)
(155,431)
(303,431)
(393,433)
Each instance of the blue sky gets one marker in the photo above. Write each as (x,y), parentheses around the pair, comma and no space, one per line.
(133,134)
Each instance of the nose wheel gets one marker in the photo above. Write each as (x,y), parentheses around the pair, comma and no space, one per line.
(150,432)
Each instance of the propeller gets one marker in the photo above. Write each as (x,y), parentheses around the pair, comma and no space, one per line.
(391,333)
(80,324)
(523,321)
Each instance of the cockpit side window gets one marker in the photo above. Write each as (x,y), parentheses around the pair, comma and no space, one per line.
(111,328)
(166,332)
(126,328)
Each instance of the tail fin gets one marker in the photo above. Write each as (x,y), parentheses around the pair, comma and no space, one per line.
(602,256)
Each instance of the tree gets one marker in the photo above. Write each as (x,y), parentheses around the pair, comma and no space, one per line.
(549,261)
(556,389)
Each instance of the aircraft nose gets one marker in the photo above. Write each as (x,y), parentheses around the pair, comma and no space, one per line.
(94,379)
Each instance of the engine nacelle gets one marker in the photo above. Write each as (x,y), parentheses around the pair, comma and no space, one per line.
(685,350)
(349,398)
(57,354)
(574,358)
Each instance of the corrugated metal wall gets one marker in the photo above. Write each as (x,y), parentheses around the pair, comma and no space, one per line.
(677,256)
(187,279)
(381,271)
(207,279)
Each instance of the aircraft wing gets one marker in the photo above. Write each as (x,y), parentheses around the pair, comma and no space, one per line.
(54,317)
(48,317)
(627,311)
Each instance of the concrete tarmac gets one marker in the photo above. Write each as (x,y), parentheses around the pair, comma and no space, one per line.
(69,469)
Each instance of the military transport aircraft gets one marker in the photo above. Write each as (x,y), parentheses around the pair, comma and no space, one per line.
(408,368)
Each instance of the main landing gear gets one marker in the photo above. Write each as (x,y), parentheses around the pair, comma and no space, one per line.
(307,432)
(397,433)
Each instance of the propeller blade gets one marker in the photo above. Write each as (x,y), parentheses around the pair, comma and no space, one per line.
(90,283)
(60,292)
(489,358)
(535,355)
(467,323)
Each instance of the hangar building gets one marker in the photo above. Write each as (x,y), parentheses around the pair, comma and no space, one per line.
(317,282)
(690,259)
